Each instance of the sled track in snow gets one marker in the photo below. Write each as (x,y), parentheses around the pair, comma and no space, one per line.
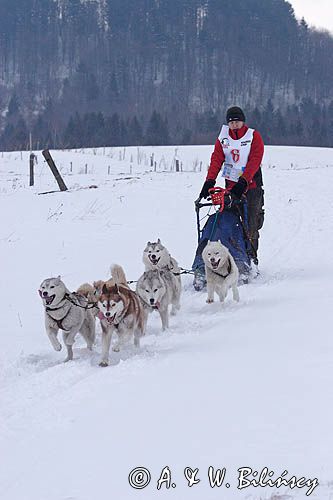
(39,379)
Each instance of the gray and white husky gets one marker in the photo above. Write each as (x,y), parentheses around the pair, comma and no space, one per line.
(68,312)
(221,271)
(156,256)
(157,290)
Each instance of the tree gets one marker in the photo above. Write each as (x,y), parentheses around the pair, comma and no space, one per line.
(13,107)
(157,132)
(135,133)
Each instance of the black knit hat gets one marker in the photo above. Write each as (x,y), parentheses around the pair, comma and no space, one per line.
(235,113)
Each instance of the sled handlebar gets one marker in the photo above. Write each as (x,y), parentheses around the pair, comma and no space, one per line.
(200,205)
(218,197)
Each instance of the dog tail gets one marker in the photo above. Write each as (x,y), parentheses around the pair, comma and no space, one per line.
(85,289)
(118,274)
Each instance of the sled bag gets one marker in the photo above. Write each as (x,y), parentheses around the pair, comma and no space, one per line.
(229,231)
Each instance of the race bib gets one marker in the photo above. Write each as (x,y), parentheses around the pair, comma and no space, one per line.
(231,172)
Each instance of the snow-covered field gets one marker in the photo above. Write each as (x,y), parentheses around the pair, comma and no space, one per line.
(239,385)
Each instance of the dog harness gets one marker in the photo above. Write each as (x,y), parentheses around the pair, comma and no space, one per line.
(58,321)
(67,298)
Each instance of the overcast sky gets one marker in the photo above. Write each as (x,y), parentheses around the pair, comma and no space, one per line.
(318,13)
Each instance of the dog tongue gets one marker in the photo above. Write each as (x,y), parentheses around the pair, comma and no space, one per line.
(101,316)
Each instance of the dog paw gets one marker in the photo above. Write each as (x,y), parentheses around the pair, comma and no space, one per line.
(58,347)
(68,359)
(103,364)
(210,301)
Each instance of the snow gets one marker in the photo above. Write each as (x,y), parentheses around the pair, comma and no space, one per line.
(238,385)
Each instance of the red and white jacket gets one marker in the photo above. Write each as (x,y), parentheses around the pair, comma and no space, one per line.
(252,172)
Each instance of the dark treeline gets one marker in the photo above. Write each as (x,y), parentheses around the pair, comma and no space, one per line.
(306,124)
(160,71)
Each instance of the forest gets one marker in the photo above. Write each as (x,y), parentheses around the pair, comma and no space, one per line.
(116,72)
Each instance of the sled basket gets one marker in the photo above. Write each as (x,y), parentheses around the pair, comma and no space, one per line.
(228,224)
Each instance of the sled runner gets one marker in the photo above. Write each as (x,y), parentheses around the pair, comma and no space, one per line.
(229,224)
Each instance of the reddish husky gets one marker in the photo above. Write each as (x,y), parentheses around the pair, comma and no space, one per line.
(120,311)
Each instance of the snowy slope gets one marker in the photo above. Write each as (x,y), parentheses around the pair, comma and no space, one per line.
(246,384)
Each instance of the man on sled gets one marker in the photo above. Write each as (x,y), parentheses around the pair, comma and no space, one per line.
(238,155)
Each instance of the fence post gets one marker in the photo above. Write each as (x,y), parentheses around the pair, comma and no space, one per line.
(54,170)
(177,165)
(31,163)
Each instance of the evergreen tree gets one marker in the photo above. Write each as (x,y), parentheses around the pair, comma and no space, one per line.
(113,130)
(73,135)
(13,107)
(135,133)
(157,132)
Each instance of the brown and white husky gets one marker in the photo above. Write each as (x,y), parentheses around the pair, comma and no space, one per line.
(120,311)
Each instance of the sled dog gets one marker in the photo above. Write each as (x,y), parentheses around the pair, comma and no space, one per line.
(68,312)
(120,311)
(117,276)
(221,271)
(157,290)
(88,291)
(156,256)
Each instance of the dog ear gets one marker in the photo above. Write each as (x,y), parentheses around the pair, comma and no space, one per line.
(159,241)
(148,243)
(104,289)
(219,241)
(116,287)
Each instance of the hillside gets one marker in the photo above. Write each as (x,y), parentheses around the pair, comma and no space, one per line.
(77,73)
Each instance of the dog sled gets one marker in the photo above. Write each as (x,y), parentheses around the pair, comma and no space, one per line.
(229,224)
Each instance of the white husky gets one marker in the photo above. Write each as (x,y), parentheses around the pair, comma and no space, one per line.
(221,271)
(157,290)
(66,311)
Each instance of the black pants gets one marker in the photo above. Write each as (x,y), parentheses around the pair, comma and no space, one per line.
(256,212)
